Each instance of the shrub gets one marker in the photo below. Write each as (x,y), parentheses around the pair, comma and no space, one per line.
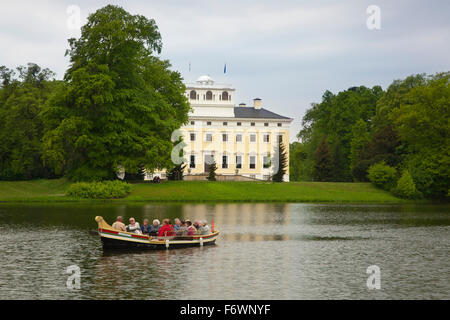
(99,190)
(382,176)
(406,187)
(212,172)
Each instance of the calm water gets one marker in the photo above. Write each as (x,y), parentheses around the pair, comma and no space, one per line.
(266,251)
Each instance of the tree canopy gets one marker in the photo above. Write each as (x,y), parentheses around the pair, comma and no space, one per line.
(119,104)
(405,127)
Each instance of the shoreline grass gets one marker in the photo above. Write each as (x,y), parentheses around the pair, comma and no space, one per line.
(205,191)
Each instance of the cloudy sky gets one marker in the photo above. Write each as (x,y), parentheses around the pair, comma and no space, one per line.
(285,52)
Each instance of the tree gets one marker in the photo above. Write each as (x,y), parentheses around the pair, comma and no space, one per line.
(212,171)
(21,126)
(334,117)
(120,103)
(282,160)
(176,173)
(423,125)
(297,166)
(323,162)
(358,150)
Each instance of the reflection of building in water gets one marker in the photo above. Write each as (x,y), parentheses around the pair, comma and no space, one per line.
(243,222)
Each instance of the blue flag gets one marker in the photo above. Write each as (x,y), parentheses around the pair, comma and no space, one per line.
(225,68)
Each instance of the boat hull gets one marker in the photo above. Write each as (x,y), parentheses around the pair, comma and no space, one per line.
(116,244)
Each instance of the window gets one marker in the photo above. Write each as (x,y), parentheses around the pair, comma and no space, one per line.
(224,162)
(224,95)
(266,137)
(238,137)
(280,138)
(209,95)
(224,137)
(208,123)
(192,161)
(238,124)
(192,123)
(225,123)
(266,124)
(192,136)
(193,95)
(266,162)
(279,124)
(252,162)
(209,137)
(252,137)
(252,124)
(238,162)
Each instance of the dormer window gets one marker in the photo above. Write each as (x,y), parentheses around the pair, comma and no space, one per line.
(225,96)
(209,95)
(193,95)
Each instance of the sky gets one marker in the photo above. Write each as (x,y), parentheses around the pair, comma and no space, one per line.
(288,53)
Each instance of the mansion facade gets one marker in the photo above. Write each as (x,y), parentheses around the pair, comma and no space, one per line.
(241,140)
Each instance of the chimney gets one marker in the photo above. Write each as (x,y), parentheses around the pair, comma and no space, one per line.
(257,103)
(241,104)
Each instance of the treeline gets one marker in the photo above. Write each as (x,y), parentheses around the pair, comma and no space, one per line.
(400,135)
(114,111)
(24,93)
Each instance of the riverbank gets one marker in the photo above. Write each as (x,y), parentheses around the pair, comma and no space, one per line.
(205,191)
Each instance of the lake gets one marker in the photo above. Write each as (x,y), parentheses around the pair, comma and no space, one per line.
(265,251)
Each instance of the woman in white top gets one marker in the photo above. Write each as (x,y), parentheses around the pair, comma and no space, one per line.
(134,226)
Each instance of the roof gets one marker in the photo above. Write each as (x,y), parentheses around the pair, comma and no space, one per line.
(249,112)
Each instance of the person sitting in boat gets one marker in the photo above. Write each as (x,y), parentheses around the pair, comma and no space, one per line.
(146,227)
(177,224)
(196,224)
(204,228)
(134,226)
(166,230)
(119,225)
(190,228)
(154,228)
(182,229)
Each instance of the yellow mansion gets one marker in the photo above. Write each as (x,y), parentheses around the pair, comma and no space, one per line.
(241,140)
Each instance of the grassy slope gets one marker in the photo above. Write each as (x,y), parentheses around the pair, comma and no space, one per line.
(198,191)
(35,190)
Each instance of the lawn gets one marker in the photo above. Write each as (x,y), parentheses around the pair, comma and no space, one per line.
(35,190)
(205,191)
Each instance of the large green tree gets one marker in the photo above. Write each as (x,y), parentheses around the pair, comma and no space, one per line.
(22,100)
(120,102)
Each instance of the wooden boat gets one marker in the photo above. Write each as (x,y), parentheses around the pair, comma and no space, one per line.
(114,239)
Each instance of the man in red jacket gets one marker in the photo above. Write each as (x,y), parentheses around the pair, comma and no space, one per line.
(166,230)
